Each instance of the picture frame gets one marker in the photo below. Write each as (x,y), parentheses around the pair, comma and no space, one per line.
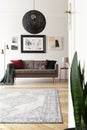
(55,42)
(14,47)
(33,44)
(14,43)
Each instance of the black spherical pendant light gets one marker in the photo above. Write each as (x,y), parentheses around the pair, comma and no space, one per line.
(34,21)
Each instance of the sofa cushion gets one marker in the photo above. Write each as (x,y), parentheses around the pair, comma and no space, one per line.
(28,64)
(50,64)
(35,71)
(18,64)
(40,64)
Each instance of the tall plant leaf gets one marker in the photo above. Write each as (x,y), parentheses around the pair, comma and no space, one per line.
(85,99)
(81,74)
(77,93)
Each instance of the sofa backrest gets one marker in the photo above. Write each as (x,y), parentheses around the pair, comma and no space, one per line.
(34,64)
(39,64)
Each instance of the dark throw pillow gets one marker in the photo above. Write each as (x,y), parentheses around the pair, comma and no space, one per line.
(50,64)
(18,64)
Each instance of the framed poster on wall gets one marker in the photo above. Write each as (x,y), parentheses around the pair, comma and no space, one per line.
(33,43)
(55,42)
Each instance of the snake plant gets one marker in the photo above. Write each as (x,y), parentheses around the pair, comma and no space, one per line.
(79,94)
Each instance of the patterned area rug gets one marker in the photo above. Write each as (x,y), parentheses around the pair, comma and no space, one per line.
(29,106)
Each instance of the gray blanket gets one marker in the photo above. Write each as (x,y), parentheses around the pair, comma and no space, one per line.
(8,78)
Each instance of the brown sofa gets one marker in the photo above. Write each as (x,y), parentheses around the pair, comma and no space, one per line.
(37,69)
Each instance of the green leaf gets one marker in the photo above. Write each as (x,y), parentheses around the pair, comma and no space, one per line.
(77,92)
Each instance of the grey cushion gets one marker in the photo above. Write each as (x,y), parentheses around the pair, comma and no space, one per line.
(40,64)
(28,64)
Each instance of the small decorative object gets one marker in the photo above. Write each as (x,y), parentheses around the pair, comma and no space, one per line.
(79,95)
(33,43)
(65,61)
(55,43)
(3,51)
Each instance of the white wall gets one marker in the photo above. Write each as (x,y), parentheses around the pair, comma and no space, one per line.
(11,14)
(81,33)
(79,45)
(72,44)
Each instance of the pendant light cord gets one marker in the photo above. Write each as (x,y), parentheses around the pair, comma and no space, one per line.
(33,4)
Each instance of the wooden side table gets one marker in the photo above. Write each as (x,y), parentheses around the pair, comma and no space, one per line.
(63,69)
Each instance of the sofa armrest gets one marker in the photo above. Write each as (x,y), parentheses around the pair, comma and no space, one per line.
(56,67)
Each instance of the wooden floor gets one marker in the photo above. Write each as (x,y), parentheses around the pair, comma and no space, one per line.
(63,96)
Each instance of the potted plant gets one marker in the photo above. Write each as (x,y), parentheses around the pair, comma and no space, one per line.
(79,94)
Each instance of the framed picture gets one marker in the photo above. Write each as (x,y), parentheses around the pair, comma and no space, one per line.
(14,39)
(14,44)
(14,47)
(33,43)
(55,42)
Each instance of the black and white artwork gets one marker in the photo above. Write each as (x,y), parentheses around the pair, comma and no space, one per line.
(33,43)
(14,45)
